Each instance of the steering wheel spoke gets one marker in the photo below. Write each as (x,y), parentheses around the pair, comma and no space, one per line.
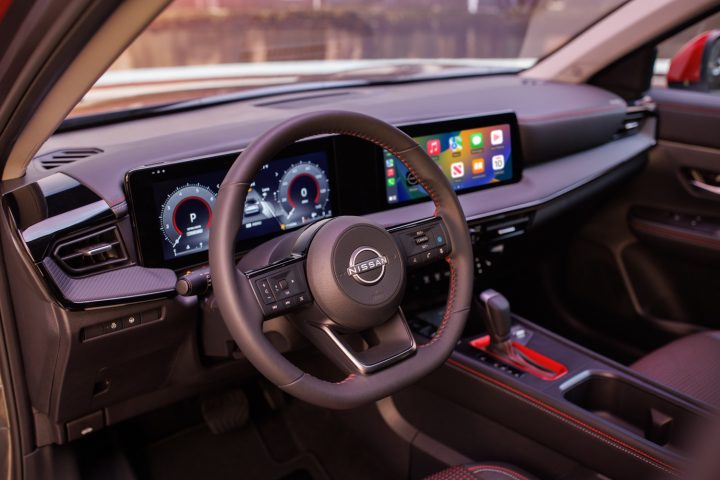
(367,351)
(280,288)
(423,242)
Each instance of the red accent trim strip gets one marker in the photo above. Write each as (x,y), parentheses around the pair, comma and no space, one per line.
(539,403)
(481,343)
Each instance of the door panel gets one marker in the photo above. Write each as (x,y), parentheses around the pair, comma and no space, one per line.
(646,268)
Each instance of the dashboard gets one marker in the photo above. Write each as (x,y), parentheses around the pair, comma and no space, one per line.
(171,205)
(97,246)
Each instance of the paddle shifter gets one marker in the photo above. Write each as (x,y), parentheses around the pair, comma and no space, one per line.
(500,342)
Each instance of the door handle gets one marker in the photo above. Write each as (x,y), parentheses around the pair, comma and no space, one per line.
(704,180)
(706,187)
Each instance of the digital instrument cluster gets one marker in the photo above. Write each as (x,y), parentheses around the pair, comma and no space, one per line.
(171,204)
(287,193)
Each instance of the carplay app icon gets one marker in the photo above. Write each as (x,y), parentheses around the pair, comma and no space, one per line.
(498,162)
(455,144)
(457,170)
(478,166)
(433,146)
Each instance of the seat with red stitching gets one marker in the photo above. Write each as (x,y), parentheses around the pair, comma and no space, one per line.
(482,471)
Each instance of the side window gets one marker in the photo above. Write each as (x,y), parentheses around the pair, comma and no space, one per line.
(691,59)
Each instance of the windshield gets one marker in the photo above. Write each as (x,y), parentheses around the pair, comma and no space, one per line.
(200,48)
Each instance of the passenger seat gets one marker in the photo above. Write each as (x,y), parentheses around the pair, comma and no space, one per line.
(689,365)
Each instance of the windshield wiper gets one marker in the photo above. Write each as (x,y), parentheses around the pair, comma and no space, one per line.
(106,118)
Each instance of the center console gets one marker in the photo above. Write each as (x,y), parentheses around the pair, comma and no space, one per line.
(602,414)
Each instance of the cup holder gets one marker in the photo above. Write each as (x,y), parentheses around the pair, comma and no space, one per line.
(634,407)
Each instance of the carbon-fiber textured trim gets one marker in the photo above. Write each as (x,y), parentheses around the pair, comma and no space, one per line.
(124,284)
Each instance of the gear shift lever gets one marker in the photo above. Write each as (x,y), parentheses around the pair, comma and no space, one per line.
(497,321)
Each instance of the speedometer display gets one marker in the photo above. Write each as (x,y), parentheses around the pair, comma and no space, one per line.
(303,194)
(287,193)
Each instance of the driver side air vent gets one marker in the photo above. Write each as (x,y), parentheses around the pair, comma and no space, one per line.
(92,252)
(60,158)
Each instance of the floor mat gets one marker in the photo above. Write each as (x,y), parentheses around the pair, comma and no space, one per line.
(197,453)
(343,454)
(299,442)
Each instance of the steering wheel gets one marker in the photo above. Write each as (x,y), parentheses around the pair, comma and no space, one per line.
(340,281)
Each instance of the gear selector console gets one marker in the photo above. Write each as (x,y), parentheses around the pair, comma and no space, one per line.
(505,345)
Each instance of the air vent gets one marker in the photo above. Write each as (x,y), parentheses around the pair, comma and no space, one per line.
(93,252)
(500,229)
(60,158)
(634,118)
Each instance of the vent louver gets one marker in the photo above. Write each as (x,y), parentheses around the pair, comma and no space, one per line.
(60,158)
(92,252)
(634,118)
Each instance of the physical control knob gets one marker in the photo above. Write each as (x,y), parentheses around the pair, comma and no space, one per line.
(195,282)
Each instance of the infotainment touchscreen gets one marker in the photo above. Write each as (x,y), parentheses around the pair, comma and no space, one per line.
(173,203)
(472,153)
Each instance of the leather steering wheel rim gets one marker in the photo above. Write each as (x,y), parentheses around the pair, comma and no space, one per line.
(235,298)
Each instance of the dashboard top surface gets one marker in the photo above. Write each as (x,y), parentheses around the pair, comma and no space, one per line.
(540,106)
(568,136)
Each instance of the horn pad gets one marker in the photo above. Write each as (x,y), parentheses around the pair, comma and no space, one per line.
(356,272)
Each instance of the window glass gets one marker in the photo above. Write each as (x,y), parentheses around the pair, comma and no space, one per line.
(197,48)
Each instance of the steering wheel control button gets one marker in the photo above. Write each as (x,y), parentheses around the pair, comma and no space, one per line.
(265,291)
(421,240)
(424,244)
(438,236)
(286,283)
(281,287)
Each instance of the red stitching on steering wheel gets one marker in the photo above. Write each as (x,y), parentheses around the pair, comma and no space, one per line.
(436,202)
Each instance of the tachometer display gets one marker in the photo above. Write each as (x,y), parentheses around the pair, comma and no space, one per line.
(186,218)
(286,193)
(303,194)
